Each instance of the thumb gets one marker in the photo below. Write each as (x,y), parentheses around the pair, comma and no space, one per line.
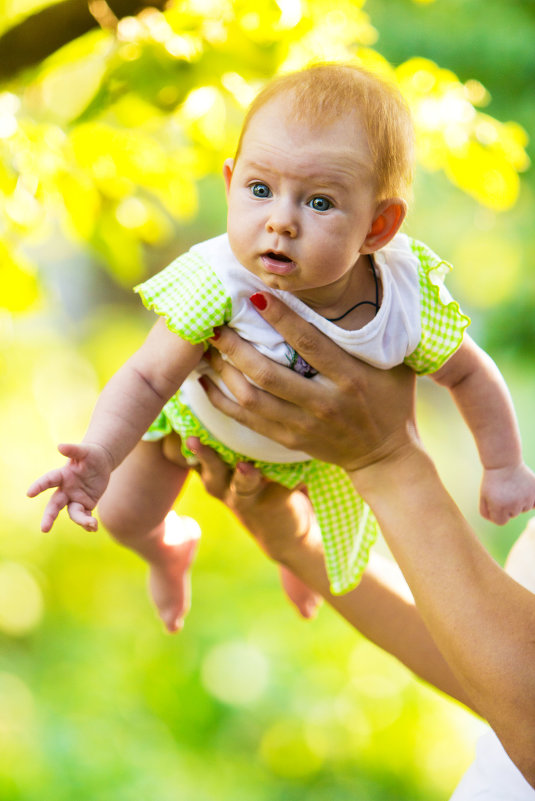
(72,451)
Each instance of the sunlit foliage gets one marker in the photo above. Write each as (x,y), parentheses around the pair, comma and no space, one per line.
(109,137)
(110,156)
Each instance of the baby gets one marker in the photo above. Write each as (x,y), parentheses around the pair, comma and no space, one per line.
(317,193)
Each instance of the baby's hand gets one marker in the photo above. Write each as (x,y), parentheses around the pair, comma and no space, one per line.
(506,492)
(80,484)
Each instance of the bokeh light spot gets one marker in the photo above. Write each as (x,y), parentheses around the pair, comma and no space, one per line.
(287,752)
(235,673)
(488,269)
(21,601)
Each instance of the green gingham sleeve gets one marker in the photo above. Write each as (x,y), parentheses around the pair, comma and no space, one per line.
(443,323)
(190,296)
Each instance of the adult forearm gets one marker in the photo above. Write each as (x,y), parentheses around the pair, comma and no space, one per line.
(381,607)
(482,620)
(384,612)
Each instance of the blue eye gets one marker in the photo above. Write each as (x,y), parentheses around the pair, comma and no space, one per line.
(260,190)
(320,204)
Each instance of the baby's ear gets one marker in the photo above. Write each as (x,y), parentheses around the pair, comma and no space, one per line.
(228,168)
(387,221)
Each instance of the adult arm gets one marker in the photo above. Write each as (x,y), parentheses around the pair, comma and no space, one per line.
(482,620)
(283,524)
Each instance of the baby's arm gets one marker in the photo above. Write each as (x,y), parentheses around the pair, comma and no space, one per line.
(480,392)
(128,404)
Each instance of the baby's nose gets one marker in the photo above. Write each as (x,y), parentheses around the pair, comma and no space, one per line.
(282,220)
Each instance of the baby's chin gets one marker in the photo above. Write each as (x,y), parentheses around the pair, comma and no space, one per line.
(272,280)
(282,282)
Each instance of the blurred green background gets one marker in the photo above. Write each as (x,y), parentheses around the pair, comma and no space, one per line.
(114,124)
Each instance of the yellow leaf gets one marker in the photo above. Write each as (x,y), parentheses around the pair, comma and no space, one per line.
(120,248)
(20,289)
(81,200)
(485,175)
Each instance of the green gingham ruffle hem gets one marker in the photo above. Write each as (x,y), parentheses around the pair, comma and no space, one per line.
(347,524)
(443,324)
(190,296)
(192,299)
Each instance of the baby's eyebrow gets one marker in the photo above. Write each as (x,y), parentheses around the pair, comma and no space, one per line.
(340,174)
(321,180)
(343,173)
(339,180)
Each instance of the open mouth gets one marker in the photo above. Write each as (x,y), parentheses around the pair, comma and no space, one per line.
(277,263)
(277,256)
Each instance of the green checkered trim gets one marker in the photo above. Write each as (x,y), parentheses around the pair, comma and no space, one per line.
(443,324)
(190,296)
(347,524)
(192,299)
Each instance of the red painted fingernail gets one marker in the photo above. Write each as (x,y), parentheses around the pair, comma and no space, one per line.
(216,334)
(203,382)
(258,300)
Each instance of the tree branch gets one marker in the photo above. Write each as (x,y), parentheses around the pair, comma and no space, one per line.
(41,34)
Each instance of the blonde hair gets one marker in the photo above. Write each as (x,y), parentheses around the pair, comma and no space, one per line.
(326,92)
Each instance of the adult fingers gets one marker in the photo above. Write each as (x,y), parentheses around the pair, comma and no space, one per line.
(267,374)
(313,346)
(238,489)
(251,416)
(246,484)
(261,400)
(214,473)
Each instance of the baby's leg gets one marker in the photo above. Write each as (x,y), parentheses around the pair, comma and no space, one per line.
(135,509)
(306,600)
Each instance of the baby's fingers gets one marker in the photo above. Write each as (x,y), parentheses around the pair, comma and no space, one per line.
(73,451)
(484,508)
(82,517)
(500,514)
(56,503)
(49,480)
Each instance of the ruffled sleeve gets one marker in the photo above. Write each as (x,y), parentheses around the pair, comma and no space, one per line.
(190,296)
(443,323)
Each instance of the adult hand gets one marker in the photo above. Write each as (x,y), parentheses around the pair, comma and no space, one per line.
(351,414)
(278,518)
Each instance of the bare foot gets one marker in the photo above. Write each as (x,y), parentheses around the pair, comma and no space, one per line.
(520,563)
(306,600)
(169,579)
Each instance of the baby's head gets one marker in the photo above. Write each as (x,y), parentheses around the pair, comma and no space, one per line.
(320,178)
(324,93)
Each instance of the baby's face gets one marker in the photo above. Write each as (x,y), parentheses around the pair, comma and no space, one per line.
(301,200)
